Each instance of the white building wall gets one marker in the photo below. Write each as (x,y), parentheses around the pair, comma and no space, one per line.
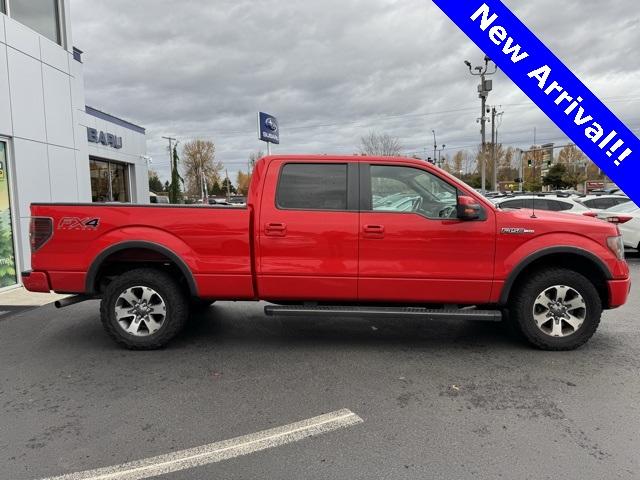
(36,116)
(43,120)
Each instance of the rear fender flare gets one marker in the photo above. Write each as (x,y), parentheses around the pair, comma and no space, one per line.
(92,273)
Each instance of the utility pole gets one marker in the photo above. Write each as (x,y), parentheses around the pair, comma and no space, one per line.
(494,183)
(435,145)
(171,140)
(520,161)
(483,92)
(204,190)
(494,142)
(171,188)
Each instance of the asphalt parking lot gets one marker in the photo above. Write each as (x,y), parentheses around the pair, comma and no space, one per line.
(437,400)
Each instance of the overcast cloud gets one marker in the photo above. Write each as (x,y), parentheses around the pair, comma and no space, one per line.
(333,70)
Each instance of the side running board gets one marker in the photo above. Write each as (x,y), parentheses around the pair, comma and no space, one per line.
(377,312)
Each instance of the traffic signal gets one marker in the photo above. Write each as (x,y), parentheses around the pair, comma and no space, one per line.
(530,162)
(518,180)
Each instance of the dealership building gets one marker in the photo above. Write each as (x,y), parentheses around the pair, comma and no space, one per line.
(54,148)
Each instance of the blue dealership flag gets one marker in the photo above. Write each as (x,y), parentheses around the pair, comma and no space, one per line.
(551,86)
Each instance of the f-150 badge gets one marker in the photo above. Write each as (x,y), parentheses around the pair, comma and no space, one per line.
(75,223)
(517,231)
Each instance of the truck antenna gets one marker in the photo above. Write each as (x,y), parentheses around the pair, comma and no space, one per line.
(533,213)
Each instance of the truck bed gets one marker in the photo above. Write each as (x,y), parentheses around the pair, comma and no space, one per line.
(212,243)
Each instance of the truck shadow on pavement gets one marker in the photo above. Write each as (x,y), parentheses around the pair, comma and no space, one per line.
(228,323)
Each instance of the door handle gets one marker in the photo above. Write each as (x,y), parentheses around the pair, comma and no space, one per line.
(373,231)
(275,229)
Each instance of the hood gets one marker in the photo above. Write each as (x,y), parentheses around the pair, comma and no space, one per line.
(546,221)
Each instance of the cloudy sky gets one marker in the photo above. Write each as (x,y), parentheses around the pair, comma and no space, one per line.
(334,70)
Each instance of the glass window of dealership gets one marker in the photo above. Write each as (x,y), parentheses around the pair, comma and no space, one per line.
(43,16)
(54,148)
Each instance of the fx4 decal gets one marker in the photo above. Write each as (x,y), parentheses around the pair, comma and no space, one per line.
(75,223)
(517,231)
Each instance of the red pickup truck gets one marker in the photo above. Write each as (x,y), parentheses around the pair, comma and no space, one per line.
(334,236)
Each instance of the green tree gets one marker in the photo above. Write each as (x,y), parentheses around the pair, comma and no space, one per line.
(155,185)
(215,188)
(227,186)
(555,178)
(175,190)
(167,185)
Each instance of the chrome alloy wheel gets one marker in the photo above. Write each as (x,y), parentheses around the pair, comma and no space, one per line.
(559,311)
(140,311)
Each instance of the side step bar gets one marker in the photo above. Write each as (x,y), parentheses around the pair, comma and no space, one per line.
(383,312)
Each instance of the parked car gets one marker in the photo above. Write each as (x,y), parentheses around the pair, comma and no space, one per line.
(155,198)
(238,200)
(545,202)
(218,201)
(311,242)
(602,202)
(627,216)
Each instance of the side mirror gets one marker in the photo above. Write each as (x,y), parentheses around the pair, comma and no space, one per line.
(468,209)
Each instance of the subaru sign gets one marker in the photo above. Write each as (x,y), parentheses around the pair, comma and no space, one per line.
(268,130)
(106,139)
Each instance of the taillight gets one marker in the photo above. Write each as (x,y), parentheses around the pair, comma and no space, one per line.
(618,219)
(40,231)
(590,214)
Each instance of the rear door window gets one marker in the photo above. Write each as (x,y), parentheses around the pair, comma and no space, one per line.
(313,186)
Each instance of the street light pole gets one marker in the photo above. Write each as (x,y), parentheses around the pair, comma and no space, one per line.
(483,92)
(440,155)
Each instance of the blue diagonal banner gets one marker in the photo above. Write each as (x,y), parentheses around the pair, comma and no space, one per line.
(551,86)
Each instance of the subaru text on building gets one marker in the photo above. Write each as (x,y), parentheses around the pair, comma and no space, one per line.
(338,236)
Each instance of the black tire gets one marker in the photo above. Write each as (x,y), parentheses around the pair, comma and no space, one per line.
(175,301)
(521,308)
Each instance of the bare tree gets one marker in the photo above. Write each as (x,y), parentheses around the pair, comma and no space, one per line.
(199,162)
(380,144)
(458,159)
(253,158)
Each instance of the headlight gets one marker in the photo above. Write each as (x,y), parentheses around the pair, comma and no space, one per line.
(616,245)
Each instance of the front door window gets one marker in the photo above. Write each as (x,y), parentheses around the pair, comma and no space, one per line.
(7,252)
(411,190)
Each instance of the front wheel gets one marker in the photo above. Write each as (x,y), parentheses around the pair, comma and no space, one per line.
(143,309)
(556,309)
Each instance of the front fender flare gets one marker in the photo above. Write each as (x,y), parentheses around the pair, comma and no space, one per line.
(511,279)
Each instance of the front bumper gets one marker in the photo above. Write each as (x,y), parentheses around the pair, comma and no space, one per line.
(618,292)
(36,282)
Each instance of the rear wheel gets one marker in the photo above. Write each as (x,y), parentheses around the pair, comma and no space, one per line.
(556,309)
(143,309)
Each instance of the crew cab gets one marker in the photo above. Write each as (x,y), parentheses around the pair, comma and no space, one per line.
(334,236)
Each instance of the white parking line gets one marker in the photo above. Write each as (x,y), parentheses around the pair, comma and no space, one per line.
(216,452)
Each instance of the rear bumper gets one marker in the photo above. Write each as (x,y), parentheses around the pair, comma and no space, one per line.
(36,282)
(618,292)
